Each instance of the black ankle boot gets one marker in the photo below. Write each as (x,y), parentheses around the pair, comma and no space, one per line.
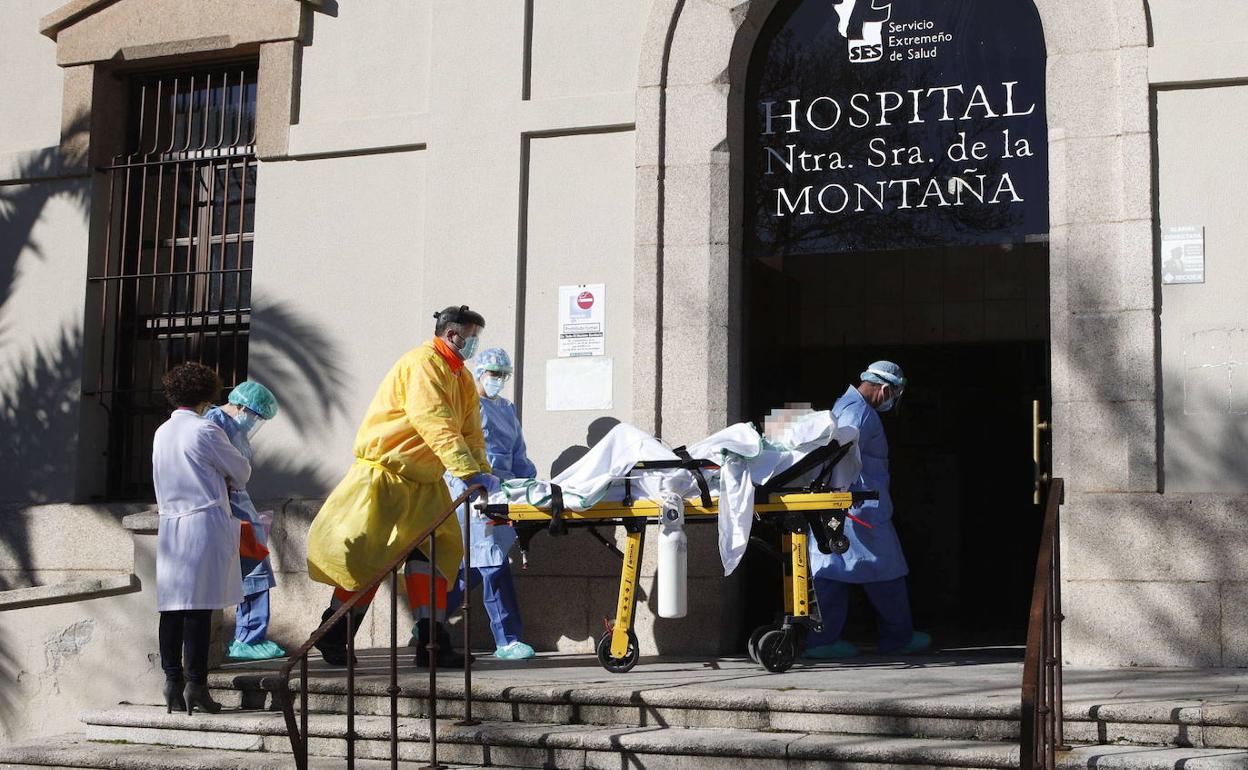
(197,695)
(173,696)
(446,657)
(333,645)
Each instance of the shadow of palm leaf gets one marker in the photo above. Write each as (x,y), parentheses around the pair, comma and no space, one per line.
(299,362)
(38,430)
(52,174)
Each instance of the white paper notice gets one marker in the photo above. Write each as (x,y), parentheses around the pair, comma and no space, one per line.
(582,320)
(1183,255)
(574,384)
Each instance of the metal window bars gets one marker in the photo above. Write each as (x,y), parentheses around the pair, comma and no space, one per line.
(173,282)
(280,685)
(1041,729)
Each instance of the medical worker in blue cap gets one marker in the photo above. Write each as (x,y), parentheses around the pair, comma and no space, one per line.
(874,559)
(505,449)
(249,407)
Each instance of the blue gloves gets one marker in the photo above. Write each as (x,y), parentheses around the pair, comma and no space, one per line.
(490,482)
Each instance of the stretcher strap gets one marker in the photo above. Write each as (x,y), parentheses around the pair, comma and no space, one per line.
(804,465)
(826,475)
(695,467)
(558,526)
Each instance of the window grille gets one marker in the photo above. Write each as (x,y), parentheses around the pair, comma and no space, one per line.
(174,281)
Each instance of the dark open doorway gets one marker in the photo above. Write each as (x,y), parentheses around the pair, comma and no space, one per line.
(894,193)
(970,327)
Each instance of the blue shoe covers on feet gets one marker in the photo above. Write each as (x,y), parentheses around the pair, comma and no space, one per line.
(515,651)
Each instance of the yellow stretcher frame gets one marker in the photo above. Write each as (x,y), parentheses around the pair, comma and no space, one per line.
(639,513)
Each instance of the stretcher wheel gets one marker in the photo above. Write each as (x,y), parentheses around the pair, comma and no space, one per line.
(776,651)
(751,646)
(617,665)
(839,545)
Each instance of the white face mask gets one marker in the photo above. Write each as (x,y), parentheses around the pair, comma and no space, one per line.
(250,422)
(889,402)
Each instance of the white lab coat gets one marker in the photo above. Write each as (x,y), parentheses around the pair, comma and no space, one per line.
(193,466)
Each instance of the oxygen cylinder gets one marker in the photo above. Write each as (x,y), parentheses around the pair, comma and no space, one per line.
(673,567)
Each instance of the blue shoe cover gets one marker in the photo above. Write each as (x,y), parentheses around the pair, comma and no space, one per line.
(920,641)
(265,650)
(837,650)
(515,651)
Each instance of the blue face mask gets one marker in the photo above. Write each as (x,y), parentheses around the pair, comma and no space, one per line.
(469,348)
(493,385)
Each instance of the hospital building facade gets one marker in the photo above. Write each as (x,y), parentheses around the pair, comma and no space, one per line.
(677,214)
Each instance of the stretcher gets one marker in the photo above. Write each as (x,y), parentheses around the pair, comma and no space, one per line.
(798,510)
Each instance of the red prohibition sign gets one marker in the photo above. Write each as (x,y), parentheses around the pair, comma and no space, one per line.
(585,300)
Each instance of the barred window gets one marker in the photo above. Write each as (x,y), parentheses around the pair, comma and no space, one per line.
(174,281)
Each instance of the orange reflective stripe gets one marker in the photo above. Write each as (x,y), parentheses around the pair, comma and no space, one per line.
(418,591)
(342,595)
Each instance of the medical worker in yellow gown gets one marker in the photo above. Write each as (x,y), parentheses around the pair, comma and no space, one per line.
(424,420)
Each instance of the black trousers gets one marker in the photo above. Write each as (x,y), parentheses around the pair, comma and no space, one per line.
(189,629)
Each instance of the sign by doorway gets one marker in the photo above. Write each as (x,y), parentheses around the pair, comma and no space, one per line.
(879,124)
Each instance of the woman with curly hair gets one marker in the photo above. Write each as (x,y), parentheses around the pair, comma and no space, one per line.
(194,465)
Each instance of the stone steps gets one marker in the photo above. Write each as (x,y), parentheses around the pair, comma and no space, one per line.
(76,751)
(1166,723)
(144,738)
(561,713)
(538,745)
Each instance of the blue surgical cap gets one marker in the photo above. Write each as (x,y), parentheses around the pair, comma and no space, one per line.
(492,360)
(255,397)
(884,373)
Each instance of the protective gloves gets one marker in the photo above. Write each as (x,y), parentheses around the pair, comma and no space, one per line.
(489,481)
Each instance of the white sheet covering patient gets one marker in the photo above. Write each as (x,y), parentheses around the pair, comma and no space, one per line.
(745,459)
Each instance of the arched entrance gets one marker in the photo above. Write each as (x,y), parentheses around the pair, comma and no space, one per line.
(895,205)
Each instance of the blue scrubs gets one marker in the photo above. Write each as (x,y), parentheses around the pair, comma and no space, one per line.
(252,615)
(508,456)
(874,559)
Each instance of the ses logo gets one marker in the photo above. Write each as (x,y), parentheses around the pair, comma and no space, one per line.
(861,23)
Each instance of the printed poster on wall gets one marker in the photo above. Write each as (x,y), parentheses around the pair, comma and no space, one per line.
(1183,255)
(582,320)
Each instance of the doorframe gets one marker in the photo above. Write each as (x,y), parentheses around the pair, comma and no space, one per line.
(1103,315)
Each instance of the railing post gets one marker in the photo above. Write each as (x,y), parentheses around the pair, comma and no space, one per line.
(350,689)
(1041,734)
(303,712)
(433,654)
(1059,742)
(393,690)
(465,617)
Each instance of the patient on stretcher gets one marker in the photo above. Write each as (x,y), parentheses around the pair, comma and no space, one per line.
(745,458)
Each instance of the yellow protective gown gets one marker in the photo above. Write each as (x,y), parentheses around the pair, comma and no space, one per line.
(424,418)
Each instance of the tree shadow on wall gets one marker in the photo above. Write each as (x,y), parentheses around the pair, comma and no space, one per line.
(299,362)
(38,410)
(23,205)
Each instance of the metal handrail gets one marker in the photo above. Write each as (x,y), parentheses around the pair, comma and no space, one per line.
(1041,728)
(298,729)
